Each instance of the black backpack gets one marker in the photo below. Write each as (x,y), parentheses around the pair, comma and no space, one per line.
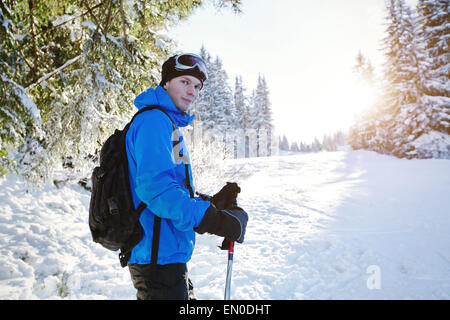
(113,219)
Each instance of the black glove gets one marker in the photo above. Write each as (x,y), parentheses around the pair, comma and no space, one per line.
(226,243)
(226,197)
(228,223)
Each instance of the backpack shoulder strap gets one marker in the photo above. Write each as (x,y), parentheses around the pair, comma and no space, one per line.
(152,108)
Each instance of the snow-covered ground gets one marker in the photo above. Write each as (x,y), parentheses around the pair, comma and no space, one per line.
(338,225)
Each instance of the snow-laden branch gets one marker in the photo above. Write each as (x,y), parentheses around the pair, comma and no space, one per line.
(48,75)
(26,100)
(69,20)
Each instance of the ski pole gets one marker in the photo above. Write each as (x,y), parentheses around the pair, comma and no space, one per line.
(229,269)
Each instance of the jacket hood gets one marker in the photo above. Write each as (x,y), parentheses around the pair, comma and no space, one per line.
(160,97)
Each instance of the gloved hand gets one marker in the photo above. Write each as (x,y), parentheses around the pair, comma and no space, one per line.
(226,197)
(226,243)
(228,223)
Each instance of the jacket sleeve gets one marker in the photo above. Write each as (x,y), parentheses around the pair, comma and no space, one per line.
(156,184)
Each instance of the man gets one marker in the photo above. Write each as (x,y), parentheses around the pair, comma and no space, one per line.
(160,179)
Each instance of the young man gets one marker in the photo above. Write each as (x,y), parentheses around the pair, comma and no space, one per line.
(159,178)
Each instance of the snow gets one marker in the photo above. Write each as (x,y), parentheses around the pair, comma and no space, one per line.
(6,22)
(63,19)
(89,24)
(328,225)
(435,142)
(26,100)
(159,43)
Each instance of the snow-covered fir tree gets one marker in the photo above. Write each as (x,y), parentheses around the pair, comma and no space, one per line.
(328,143)
(204,99)
(294,147)
(316,145)
(215,105)
(412,120)
(241,103)
(389,108)
(252,111)
(202,104)
(434,29)
(223,99)
(284,143)
(263,106)
(364,69)
(363,129)
(262,114)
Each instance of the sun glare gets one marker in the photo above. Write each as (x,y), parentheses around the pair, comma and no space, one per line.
(347,99)
(362,97)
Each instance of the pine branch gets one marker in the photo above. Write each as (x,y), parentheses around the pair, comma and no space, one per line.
(20,45)
(48,75)
(74,18)
(35,56)
(108,18)
(93,16)
(124,25)
(24,59)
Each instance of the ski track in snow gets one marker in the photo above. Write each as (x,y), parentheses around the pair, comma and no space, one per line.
(317,223)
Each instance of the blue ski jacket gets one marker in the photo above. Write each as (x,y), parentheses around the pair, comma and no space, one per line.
(157,177)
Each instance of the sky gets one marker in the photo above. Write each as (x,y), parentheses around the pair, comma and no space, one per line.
(306,51)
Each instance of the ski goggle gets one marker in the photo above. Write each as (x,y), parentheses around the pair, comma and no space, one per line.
(187,61)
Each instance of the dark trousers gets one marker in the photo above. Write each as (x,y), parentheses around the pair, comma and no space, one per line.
(161,282)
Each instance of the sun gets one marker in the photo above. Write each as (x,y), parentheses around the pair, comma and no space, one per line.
(346,100)
(363,97)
